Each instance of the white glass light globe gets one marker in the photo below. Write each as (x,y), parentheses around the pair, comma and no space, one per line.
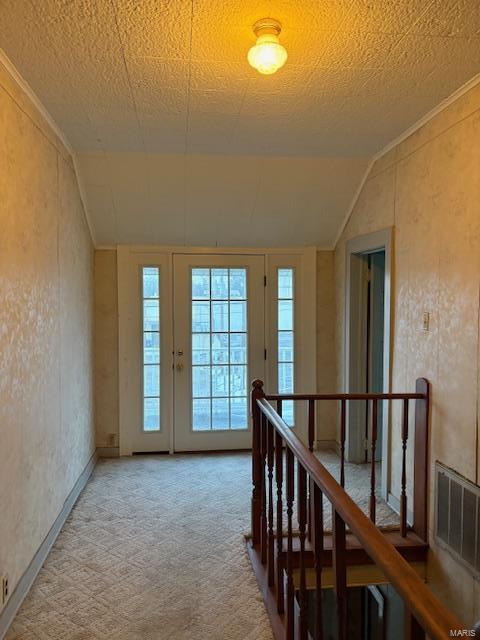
(268,55)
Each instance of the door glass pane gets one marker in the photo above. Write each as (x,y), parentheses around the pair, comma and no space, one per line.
(201,348)
(238,348)
(151,317)
(220,284)
(285,315)
(201,284)
(201,418)
(220,381)
(238,316)
(200,317)
(151,348)
(220,413)
(219,316)
(151,414)
(219,349)
(201,382)
(238,413)
(286,340)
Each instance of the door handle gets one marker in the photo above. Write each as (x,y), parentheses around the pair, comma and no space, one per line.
(179,367)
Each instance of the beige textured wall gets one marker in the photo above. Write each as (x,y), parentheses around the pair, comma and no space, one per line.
(46,322)
(106,349)
(428,188)
(326,355)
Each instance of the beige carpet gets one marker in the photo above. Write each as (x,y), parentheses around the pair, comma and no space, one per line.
(154,549)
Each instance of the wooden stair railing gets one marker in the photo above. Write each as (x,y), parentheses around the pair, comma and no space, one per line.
(283,466)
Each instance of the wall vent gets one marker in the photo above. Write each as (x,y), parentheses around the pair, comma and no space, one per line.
(457,522)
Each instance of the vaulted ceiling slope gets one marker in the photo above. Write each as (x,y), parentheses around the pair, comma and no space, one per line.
(180,141)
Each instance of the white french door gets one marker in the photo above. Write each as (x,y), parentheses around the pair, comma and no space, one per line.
(195,329)
(218,347)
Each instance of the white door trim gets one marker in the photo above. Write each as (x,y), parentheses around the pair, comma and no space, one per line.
(365,244)
(126,254)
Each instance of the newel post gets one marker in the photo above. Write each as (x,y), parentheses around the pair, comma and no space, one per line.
(257,475)
(420,467)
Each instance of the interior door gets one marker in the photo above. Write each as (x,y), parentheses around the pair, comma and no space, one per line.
(219,342)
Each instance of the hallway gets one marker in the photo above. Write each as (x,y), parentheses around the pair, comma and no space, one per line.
(154,549)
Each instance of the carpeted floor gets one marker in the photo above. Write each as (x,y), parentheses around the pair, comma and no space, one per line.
(154,549)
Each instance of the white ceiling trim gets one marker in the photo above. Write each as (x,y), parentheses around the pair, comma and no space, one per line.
(40,107)
(403,136)
(429,116)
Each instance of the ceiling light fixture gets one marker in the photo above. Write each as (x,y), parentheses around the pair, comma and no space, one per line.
(268,55)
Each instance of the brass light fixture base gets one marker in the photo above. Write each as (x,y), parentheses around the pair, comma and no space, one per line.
(266,26)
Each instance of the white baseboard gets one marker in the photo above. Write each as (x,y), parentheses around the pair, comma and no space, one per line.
(26,581)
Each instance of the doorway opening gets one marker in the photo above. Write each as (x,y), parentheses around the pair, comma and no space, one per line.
(367,342)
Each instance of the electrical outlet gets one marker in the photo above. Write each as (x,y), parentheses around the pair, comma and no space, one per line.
(5,589)
(426,321)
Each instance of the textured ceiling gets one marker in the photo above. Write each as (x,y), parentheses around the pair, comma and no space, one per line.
(175,131)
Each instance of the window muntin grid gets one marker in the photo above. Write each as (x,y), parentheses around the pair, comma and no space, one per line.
(286,339)
(151,348)
(219,335)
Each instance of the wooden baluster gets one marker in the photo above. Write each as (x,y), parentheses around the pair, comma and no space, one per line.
(263,527)
(279,480)
(343,414)
(403,496)
(311,424)
(340,573)
(257,490)
(420,466)
(279,407)
(290,586)
(270,536)
(373,500)
(302,528)
(311,443)
(318,547)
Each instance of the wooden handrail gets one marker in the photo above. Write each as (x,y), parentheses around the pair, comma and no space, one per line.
(344,396)
(433,617)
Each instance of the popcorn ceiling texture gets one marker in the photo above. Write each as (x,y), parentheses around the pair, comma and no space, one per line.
(46,391)
(428,189)
(142,89)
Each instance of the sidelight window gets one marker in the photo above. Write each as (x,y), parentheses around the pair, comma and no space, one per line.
(151,347)
(286,339)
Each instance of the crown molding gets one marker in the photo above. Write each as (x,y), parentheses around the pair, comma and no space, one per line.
(465,88)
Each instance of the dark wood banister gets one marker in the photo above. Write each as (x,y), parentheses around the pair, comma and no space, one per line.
(425,610)
(435,619)
(345,396)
